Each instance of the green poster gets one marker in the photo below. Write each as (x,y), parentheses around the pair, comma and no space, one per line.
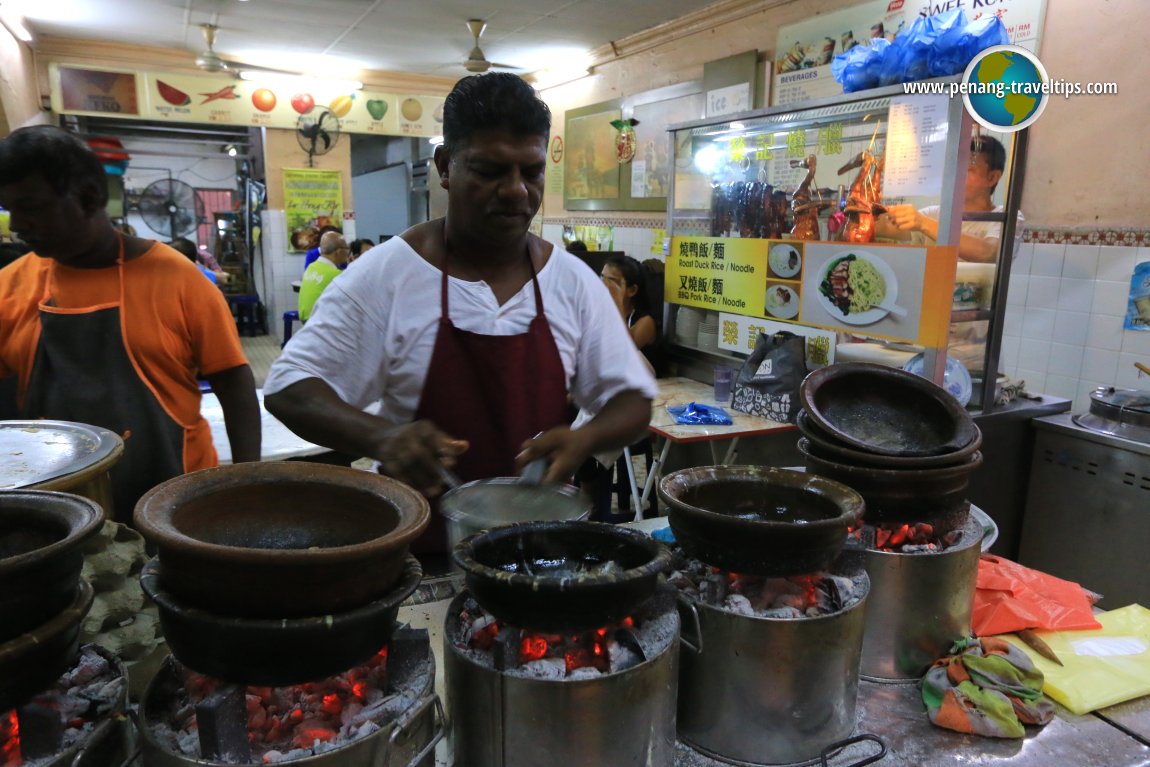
(313,199)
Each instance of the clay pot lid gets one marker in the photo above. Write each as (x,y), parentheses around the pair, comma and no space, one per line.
(39,451)
(824,445)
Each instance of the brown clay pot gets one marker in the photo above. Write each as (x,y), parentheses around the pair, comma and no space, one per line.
(543,575)
(825,446)
(936,496)
(41,535)
(759,520)
(877,409)
(33,661)
(281,540)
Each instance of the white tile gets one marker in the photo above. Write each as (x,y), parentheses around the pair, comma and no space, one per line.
(1105,332)
(1061,386)
(1047,261)
(1038,324)
(1076,295)
(1016,290)
(1110,298)
(1034,355)
(1023,259)
(1081,402)
(1012,321)
(1099,364)
(1137,342)
(1128,375)
(1117,263)
(1043,292)
(1080,262)
(1035,379)
(1009,350)
(1065,360)
(1071,327)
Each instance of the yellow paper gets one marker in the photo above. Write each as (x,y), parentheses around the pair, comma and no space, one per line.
(1101,666)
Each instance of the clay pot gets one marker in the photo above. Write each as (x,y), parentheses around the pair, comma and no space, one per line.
(561,576)
(759,520)
(276,651)
(825,446)
(878,409)
(281,540)
(33,661)
(41,535)
(895,496)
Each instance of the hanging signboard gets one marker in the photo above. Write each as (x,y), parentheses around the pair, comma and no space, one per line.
(897,292)
(804,50)
(222,99)
(312,199)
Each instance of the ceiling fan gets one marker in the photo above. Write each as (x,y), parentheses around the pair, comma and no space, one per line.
(476,62)
(210,61)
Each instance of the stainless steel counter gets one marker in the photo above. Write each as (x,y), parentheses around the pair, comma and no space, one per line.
(1118,736)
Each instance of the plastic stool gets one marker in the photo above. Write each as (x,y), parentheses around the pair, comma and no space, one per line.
(248,313)
(290,318)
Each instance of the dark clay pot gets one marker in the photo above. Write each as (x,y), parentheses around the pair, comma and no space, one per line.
(896,496)
(545,575)
(34,660)
(878,409)
(274,651)
(825,446)
(281,540)
(759,520)
(41,538)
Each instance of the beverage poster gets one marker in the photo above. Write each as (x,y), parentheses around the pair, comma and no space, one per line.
(97,91)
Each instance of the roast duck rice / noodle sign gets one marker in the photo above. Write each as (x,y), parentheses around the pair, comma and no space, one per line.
(897,292)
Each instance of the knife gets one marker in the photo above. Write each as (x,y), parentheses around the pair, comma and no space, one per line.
(1032,640)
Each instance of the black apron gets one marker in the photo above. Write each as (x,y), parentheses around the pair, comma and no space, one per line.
(83,372)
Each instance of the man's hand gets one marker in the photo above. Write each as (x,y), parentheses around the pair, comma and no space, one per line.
(905,217)
(416,453)
(564,448)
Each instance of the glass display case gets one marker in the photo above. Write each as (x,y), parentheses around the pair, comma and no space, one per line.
(824,183)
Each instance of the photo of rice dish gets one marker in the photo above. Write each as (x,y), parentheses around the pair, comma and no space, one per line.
(853,285)
(782,302)
(785,260)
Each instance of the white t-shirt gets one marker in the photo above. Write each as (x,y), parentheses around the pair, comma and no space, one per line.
(374,327)
(987,230)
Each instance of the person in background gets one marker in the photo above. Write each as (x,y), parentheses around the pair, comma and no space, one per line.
(188,248)
(310,257)
(471,331)
(359,247)
(623,277)
(108,329)
(334,255)
(979,240)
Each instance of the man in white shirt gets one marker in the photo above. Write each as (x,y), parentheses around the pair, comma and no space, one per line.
(473,333)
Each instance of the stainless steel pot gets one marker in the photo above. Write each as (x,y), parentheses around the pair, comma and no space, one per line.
(409,740)
(498,720)
(920,604)
(760,691)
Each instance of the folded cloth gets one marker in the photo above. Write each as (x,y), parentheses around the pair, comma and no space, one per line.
(986,687)
(695,413)
(1010,597)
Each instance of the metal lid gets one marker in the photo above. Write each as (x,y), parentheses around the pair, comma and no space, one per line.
(1124,405)
(32,452)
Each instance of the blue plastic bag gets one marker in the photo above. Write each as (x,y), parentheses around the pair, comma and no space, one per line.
(696,414)
(857,69)
(957,47)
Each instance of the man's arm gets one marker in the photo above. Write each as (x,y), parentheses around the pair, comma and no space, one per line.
(411,453)
(236,390)
(970,248)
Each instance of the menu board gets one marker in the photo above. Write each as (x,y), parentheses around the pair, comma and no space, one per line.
(897,292)
(915,146)
(224,100)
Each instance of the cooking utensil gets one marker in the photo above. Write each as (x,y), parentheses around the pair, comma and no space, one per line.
(35,452)
(561,576)
(825,446)
(757,520)
(1033,641)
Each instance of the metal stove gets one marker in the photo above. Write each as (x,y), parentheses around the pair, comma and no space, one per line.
(1088,507)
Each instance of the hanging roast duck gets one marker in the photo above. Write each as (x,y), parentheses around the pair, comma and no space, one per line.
(807,211)
(863,200)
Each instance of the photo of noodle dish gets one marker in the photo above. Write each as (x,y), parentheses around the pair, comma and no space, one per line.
(785,260)
(853,284)
(782,301)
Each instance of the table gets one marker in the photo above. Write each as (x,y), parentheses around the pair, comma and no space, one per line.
(278,443)
(680,391)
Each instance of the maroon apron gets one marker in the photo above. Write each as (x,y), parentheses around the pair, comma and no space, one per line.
(493,391)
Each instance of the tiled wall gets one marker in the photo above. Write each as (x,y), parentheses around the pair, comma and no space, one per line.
(279,269)
(1063,328)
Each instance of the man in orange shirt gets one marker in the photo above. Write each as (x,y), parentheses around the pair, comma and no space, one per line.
(109,329)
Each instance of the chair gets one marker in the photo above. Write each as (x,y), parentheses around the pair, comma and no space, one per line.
(290,318)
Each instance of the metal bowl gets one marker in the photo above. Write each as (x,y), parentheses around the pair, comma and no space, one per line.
(759,520)
(281,540)
(825,446)
(487,503)
(878,409)
(561,576)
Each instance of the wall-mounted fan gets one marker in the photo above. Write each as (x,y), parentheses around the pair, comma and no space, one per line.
(476,62)
(317,132)
(168,207)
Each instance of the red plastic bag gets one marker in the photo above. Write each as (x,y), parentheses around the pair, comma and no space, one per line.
(1010,597)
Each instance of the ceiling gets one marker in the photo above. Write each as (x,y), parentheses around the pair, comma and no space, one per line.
(342,37)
